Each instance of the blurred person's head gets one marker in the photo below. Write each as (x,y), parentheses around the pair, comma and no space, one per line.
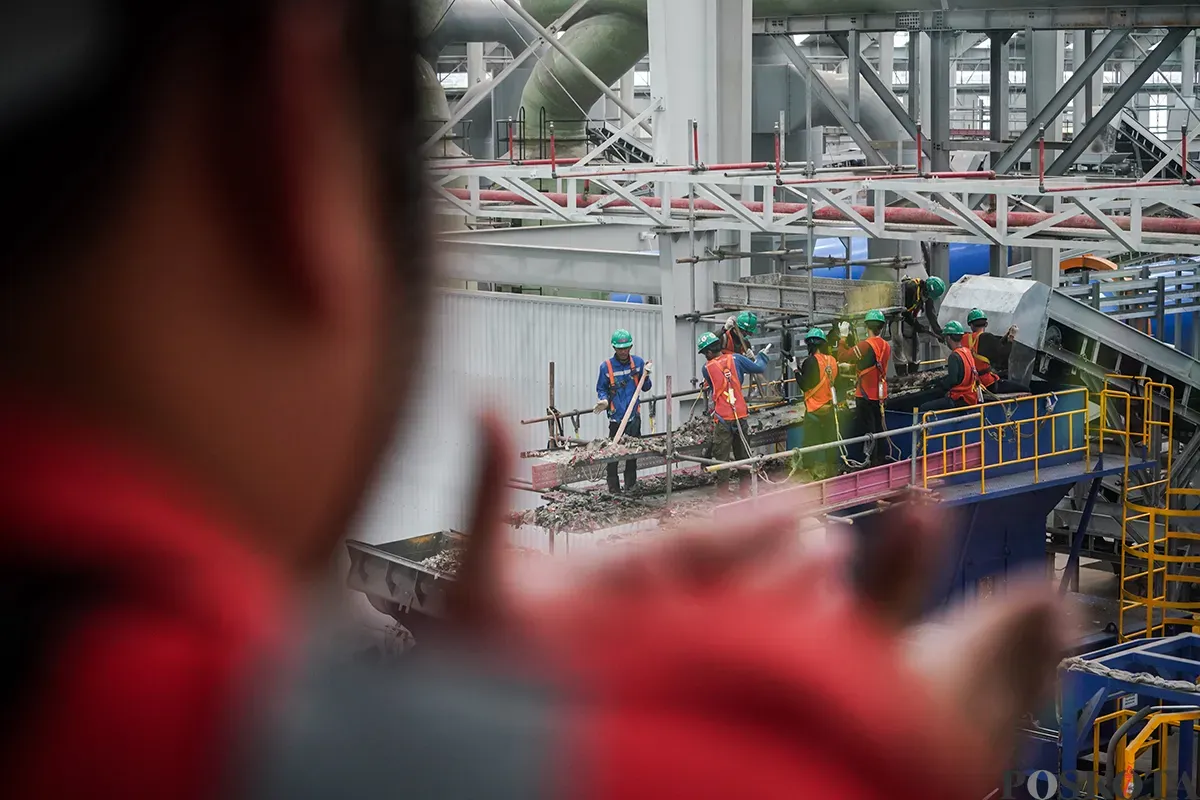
(201,207)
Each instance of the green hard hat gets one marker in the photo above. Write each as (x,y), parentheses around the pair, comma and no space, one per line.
(747,321)
(706,341)
(936,287)
(954,328)
(875,315)
(622,339)
(975,315)
(814,333)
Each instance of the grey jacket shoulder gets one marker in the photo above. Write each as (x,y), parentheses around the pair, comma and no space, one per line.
(430,726)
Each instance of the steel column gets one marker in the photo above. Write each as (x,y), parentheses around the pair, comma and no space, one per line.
(852,77)
(1079,109)
(816,84)
(887,61)
(1123,94)
(1070,578)
(940,44)
(998,101)
(914,72)
(1093,89)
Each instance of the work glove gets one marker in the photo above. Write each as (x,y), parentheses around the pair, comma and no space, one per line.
(844,329)
(750,352)
(729,323)
(601,406)
(1013,330)
(766,348)
(844,367)
(648,368)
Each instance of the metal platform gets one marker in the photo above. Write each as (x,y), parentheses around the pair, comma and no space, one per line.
(1059,475)
(805,296)
(686,199)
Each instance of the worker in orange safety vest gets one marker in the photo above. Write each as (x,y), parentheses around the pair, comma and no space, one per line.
(962,378)
(991,355)
(723,377)
(872,384)
(818,374)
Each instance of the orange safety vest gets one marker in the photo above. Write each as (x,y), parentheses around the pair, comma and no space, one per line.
(982,364)
(612,380)
(728,401)
(872,381)
(966,389)
(822,394)
(732,341)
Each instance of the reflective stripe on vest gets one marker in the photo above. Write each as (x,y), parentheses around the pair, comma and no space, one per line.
(872,381)
(612,382)
(983,364)
(821,395)
(965,390)
(728,401)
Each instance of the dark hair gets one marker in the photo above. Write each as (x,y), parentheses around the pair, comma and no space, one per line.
(66,158)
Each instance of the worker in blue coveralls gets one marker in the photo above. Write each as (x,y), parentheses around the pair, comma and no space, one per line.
(616,388)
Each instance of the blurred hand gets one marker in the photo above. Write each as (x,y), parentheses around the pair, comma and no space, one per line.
(648,368)
(985,667)
(729,323)
(766,348)
(1012,332)
(844,329)
(601,406)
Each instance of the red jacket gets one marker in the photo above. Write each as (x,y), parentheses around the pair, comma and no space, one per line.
(674,691)
(139,694)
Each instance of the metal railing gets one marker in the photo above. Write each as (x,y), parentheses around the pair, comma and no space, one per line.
(1155,733)
(979,429)
(1157,571)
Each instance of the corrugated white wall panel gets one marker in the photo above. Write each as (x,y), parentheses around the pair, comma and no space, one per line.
(492,350)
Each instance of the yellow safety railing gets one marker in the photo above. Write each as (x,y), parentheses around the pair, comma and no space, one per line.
(1117,717)
(1156,731)
(1156,556)
(975,424)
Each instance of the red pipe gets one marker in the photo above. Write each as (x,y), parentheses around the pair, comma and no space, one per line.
(695,143)
(899,216)
(778,162)
(1088,186)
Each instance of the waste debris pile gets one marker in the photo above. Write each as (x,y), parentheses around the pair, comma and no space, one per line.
(693,433)
(449,561)
(595,509)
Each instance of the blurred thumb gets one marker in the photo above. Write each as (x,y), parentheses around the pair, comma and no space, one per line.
(477,599)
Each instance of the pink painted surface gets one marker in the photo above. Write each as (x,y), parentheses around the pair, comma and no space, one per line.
(863,486)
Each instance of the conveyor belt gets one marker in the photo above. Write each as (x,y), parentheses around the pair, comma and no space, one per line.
(1146,148)
(629,149)
(1095,344)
